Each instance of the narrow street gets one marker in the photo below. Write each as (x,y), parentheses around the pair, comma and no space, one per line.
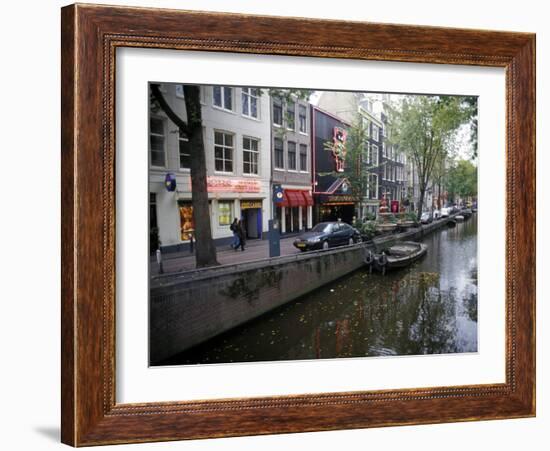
(254,250)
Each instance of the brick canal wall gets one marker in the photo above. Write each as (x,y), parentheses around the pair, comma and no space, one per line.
(187,310)
(191,307)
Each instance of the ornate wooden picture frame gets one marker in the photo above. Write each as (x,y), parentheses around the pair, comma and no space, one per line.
(90,37)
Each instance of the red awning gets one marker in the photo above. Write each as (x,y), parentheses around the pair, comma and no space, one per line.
(307,197)
(295,198)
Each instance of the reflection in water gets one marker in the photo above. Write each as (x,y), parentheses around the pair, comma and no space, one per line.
(429,308)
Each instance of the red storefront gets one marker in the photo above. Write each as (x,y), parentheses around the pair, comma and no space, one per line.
(295,211)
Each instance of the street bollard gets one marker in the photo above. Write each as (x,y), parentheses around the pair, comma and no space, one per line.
(159,261)
(274,238)
(191,244)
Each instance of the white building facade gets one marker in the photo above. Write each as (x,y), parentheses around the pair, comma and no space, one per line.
(237,135)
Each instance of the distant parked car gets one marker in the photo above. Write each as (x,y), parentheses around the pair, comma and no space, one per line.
(426,218)
(327,234)
(445,212)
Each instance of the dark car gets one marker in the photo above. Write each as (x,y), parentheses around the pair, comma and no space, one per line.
(327,234)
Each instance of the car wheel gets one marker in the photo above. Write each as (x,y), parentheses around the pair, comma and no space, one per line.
(325,245)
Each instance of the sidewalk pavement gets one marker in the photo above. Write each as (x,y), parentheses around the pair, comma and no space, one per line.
(254,250)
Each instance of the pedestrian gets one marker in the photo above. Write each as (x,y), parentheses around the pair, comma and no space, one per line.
(233,228)
(241,235)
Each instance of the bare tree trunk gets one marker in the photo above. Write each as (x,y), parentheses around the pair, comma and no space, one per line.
(205,250)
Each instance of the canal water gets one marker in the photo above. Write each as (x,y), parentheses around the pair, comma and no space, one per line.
(428,308)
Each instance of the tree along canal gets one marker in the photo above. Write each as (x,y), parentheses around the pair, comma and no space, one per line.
(428,308)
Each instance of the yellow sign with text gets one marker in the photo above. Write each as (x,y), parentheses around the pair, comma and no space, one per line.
(247,204)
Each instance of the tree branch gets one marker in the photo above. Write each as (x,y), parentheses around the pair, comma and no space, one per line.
(180,123)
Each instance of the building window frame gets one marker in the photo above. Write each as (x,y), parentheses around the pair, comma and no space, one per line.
(228,215)
(375,132)
(292,162)
(290,115)
(302,119)
(373,193)
(374,150)
(179,91)
(277,103)
(223,98)
(366,126)
(158,135)
(278,155)
(249,98)
(253,155)
(227,152)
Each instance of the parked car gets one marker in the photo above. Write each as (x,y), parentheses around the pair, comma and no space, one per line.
(327,234)
(445,212)
(426,218)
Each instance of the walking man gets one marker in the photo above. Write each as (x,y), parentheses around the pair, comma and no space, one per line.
(233,227)
(241,235)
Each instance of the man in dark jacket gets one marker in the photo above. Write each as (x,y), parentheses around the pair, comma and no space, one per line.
(233,228)
(241,234)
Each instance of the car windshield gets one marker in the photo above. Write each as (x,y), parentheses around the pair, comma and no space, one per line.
(322,227)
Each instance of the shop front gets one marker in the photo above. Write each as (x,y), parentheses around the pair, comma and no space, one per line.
(295,211)
(335,207)
(251,215)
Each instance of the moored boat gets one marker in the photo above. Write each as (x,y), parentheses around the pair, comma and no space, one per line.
(397,256)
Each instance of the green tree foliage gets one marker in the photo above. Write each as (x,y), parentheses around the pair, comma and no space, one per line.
(425,127)
(462,180)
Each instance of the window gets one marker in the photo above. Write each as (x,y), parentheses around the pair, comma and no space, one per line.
(279,153)
(366,155)
(179,91)
(250,98)
(156,141)
(291,156)
(223,97)
(250,156)
(277,112)
(375,134)
(302,118)
(290,115)
(225,213)
(373,186)
(223,152)
(303,157)
(366,126)
(374,154)
(184,150)
(187,222)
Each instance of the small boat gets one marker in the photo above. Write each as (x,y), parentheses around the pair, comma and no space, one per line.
(386,227)
(397,256)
